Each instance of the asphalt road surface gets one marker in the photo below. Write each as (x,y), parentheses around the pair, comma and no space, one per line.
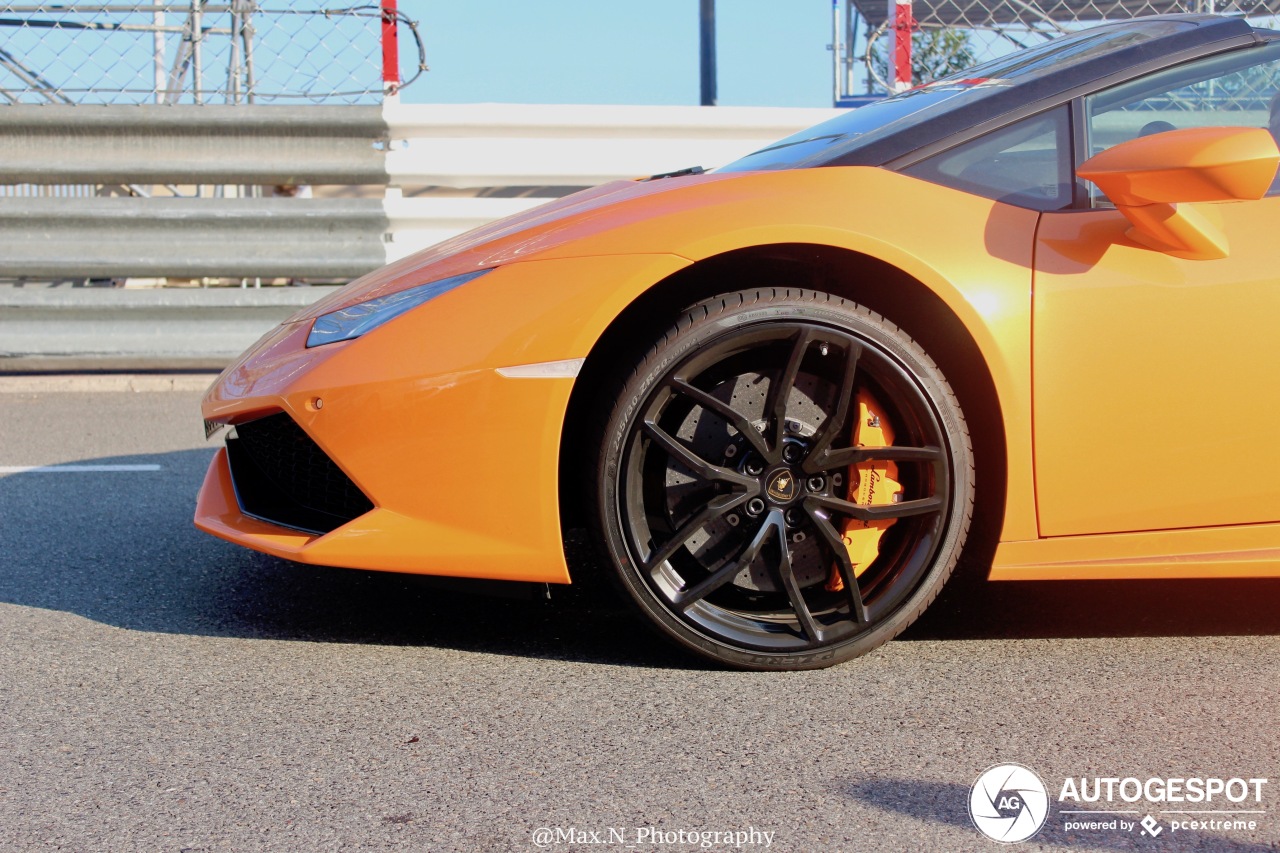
(161,690)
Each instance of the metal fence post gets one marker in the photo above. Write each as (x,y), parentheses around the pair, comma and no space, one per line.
(197,62)
(390,48)
(903,23)
(707,51)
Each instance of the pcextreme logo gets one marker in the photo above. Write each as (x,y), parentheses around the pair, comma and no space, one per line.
(1008,803)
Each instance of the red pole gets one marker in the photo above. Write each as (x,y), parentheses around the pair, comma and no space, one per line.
(903,23)
(390,47)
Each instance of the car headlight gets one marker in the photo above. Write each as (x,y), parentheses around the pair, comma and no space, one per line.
(354,320)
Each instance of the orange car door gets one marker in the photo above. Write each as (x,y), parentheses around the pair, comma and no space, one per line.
(1156,379)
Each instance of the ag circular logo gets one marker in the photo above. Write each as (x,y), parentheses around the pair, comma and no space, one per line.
(1008,803)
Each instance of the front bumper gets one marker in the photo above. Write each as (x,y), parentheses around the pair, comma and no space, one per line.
(436,511)
(459,462)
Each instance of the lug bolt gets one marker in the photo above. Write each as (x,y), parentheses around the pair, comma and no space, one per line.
(755,506)
(754,467)
(816,483)
(793,517)
(792,453)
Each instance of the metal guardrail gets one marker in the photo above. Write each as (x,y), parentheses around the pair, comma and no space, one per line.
(148,144)
(191,238)
(455,146)
(44,328)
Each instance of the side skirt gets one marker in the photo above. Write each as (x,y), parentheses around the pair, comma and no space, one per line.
(1244,551)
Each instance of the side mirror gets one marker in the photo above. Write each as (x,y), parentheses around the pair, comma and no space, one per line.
(1155,180)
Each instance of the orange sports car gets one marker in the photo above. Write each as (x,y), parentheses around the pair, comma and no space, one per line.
(1043,293)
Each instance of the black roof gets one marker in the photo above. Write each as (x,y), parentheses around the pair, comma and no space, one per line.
(914,124)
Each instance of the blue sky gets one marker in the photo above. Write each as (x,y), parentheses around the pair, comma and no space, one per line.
(769,52)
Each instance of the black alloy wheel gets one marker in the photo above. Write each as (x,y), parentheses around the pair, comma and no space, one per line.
(724,483)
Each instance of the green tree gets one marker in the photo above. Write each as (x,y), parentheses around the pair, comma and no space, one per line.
(935,53)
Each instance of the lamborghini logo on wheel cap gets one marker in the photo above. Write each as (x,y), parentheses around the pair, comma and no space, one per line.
(782,486)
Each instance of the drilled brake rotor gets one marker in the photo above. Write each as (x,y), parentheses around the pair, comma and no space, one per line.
(711,437)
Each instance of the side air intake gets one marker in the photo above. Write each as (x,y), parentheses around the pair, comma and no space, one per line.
(283,477)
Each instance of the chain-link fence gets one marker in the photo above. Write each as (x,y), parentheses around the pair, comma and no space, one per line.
(947,36)
(241,51)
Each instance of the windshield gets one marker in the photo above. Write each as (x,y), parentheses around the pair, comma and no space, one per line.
(858,127)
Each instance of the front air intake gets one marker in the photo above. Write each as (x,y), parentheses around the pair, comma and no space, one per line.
(283,477)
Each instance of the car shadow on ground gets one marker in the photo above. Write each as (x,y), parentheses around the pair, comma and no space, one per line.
(119,548)
(970,607)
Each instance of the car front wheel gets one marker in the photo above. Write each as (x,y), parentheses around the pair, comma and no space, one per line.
(785,480)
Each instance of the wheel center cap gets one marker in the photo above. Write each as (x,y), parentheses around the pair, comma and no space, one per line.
(780,485)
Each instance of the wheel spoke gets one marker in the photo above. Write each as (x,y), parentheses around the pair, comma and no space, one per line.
(843,563)
(781,395)
(876,512)
(775,405)
(690,596)
(705,516)
(695,463)
(788,577)
(847,456)
(735,418)
(827,432)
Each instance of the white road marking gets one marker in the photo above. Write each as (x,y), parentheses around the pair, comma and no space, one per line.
(76,469)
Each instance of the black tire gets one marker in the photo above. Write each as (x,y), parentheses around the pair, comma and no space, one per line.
(720,501)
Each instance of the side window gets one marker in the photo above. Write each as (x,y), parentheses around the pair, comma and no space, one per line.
(1026,163)
(1236,89)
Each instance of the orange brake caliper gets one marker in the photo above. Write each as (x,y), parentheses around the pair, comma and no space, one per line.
(871,483)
